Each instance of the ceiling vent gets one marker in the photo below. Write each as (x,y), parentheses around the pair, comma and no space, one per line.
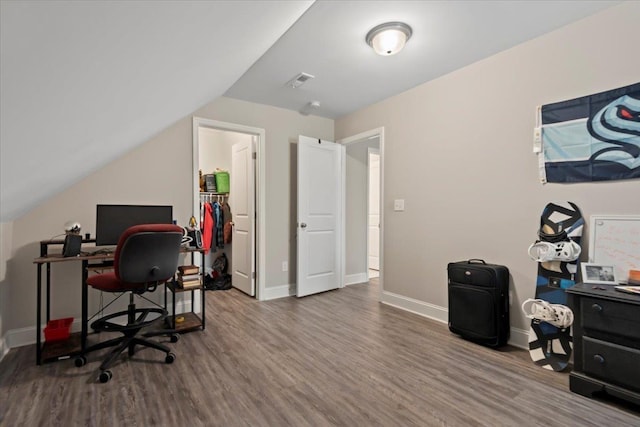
(299,80)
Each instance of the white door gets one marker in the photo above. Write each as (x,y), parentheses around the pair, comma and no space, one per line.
(241,202)
(374,210)
(320,212)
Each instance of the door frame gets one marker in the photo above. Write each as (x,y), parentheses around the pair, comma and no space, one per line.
(260,187)
(363,136)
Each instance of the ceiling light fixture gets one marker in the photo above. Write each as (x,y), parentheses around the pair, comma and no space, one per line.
(308,107)
(389,38)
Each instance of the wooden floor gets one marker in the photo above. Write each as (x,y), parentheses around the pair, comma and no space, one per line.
(336,359)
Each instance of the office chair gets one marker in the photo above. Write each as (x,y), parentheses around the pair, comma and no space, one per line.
(146,256)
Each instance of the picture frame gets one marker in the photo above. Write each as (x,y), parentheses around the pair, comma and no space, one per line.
(598,274)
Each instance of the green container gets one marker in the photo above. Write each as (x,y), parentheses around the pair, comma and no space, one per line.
(222,182)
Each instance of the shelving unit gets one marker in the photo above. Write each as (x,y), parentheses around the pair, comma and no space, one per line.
(50,351)
(206,196)
(59,350)
(192,320)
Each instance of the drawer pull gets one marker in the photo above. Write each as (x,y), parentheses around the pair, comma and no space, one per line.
(598,358)
(597,307)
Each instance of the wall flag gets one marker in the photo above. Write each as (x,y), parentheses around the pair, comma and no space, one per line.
(592,138)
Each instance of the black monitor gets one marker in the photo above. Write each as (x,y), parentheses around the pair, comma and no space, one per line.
(112,220)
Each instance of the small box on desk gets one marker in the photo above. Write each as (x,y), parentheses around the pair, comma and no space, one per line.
(58,329)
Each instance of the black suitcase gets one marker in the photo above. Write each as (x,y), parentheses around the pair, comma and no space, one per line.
(479,301)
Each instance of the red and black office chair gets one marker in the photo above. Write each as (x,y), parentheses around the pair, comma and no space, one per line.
(146,256)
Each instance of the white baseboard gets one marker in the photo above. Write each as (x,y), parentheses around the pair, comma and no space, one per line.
(276,292)
(352,279)
(518,337)
(4,348)
(422,308)
(27,336)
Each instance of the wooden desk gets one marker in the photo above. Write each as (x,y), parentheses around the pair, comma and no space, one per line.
(77,343)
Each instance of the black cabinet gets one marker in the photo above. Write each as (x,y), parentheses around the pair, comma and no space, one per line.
(606,342)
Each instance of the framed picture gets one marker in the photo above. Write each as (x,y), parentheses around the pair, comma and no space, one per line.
(600,274)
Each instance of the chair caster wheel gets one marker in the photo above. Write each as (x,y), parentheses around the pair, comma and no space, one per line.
(175,337)
(170,358)
(105,376)
(80,361)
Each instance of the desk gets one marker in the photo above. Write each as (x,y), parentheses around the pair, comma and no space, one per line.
(77,344)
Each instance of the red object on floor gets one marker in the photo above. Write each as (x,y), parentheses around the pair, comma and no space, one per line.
(58,329)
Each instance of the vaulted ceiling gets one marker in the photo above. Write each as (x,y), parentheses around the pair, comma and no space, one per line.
(82,83)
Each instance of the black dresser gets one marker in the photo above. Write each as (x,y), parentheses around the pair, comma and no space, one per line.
(606,342)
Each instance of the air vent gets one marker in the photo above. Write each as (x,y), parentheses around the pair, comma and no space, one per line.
(299,80)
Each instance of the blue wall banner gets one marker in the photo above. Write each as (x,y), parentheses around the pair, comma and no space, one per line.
(592,138)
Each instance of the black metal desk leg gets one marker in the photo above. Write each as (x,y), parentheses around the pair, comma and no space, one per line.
(202,292)
(85,309)
(39,316)
(48,292)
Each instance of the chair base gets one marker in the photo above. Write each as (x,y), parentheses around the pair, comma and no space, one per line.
(137,320)
(130,339)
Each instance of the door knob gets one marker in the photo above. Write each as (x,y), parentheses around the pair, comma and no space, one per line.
(303,225)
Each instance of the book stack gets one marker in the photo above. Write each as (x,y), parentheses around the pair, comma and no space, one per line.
(189,276)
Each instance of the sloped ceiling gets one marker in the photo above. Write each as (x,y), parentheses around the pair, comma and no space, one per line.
(82,83)
(328,42)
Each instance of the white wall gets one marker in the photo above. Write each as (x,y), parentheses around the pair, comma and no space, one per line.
(215,149)
(158,172)
(459,151)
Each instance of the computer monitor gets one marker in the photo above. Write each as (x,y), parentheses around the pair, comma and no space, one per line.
(113,220)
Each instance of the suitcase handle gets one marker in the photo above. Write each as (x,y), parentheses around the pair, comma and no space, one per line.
(476,261)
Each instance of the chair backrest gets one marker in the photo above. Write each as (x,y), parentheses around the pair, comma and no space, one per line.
(148,254)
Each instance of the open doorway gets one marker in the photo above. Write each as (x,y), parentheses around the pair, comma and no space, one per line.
(363,201)
(373,216)
(235,150)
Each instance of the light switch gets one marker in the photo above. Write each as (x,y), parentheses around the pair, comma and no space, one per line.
(537,140)
(398,205)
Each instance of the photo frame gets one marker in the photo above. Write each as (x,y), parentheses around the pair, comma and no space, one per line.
(598,274)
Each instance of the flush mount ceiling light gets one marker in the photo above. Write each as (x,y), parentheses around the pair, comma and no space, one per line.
(308,107)
(389,38)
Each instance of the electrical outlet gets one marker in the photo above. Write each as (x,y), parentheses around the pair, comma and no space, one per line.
(285,266)
(398,205)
